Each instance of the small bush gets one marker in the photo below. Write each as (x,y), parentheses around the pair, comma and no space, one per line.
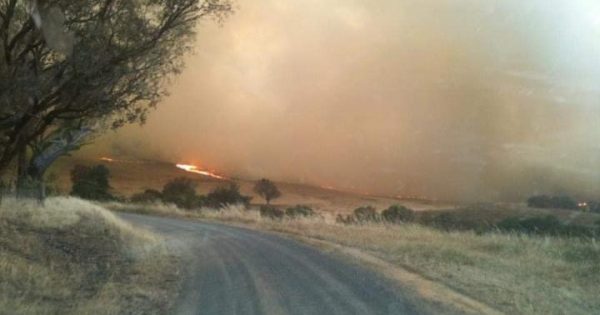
(398,214)
(182,192)
(224,196)
(557,202)
(271,212)
(91,182)
(147,196)
(366,214)
(299,211)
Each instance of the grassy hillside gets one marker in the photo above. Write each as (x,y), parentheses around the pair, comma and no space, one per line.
(132,176)
(73,257)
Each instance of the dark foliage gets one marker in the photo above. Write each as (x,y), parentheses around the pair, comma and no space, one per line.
(88,61)
(267,189)
(366,214)
(182,192)
(268,211)
(557,202)
(91,182)
(223,196)
(147,196)
(299,211)
(398,214)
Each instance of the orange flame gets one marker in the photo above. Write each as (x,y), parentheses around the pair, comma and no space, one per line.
(194,169)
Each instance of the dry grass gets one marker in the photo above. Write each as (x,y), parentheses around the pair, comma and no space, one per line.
(516,274)
(73,257)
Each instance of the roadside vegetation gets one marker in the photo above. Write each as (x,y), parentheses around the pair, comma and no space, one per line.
(513,258)
(516,260)
(74,257)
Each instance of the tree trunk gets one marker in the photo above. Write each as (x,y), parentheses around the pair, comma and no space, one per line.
(22,180)
(36,178)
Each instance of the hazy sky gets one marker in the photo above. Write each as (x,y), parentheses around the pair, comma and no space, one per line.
(451,99)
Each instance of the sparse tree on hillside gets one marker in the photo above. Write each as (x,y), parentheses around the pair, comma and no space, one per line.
(89,61)
(267,189)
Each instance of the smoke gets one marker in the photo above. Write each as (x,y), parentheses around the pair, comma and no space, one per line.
(453,99)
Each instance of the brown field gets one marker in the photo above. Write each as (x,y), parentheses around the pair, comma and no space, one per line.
(132,176)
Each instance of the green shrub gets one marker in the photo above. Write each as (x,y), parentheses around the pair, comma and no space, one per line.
(299,211)
(147,196)
(398,214)
(223,196)
(271,212)
(182,192)
(91,182)
(366,214)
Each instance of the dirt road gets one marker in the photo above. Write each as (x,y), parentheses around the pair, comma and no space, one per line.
(233,270)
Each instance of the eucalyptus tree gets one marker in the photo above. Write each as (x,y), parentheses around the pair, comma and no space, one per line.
(84,61)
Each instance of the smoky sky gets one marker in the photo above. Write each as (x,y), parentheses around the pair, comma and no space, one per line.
(447,99)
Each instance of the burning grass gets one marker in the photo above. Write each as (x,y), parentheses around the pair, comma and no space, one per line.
(73,257)
(516,274)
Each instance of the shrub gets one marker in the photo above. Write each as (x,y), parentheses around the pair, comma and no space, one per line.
(271,212)
(182,192)
(398,214)
(299,211)
(90,182)
(147,196)
(366,214)
(223,196)
(267,189)
(558,202)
